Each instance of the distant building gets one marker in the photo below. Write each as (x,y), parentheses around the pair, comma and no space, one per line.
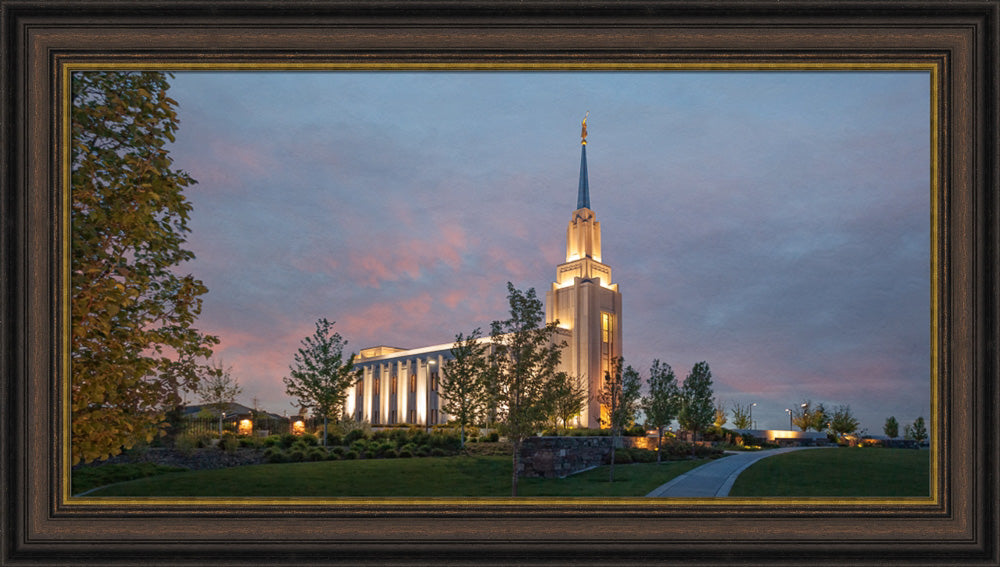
(403,385)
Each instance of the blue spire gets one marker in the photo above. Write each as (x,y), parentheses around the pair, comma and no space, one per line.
(583,194)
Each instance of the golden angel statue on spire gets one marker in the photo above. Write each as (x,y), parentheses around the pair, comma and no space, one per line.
(583,133)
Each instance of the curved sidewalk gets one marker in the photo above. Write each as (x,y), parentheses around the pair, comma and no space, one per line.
(716,478)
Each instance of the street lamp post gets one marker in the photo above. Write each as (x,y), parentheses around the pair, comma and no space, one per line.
(789,412)
(751,415)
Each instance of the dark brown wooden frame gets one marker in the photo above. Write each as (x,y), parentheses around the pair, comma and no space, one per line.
(41,526)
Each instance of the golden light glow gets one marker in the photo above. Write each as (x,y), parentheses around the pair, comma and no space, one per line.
(245,427)
(299,427)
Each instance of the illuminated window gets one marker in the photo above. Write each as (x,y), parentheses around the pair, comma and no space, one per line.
(360,387)
(607,338)
(607,327)
(392,417)
(375,416)
(299,427)
(434,381)
(434,417)
(392,385)
(375,385)
(413,382)
(413,416)
(245,427)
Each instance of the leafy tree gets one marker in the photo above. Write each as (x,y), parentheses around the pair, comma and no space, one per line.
(134,346)
(663,401)
(218,389)
(524,362)
(819,418)
(807,416)
(802,415)
(891,427)
(917,431)
(720,414)
(567,397)
(320,377)
(697,408)
(462,380)
(843,421)
(741,416)
(620,398)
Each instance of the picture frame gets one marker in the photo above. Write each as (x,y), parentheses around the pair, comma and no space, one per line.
(43,42)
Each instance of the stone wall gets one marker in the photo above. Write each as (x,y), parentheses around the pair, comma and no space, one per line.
(557,457)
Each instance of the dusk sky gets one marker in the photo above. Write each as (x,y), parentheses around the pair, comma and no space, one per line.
(773,224)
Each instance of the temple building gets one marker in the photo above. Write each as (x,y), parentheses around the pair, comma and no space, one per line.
(403,385)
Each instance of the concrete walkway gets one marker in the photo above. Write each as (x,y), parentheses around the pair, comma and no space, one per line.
(715,478)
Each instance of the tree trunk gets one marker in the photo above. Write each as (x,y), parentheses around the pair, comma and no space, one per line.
(324,431)
(462,445)
(612,468)
(513,479)
(659,444)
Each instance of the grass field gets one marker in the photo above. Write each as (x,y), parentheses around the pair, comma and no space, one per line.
(839,472)
(443,476)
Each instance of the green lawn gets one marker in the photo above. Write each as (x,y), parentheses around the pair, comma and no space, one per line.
(838,472)
(467,476)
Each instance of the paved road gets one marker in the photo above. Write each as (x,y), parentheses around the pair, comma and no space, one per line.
(715,478)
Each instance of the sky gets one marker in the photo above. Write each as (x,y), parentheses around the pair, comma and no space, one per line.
(773,224)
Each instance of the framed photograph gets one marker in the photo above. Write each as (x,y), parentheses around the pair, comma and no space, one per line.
(425,55)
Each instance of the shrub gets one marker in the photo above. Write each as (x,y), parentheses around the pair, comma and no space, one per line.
(309,439)
(400,436)
(274,454)
(493,437)
(287,439)
(404,453)
(250,442)
(354,435)
(622,457)
(382,449)
(229,443)
(272,440)
(438,452)
(351,454)
(186,443)
(419,436)
(338,451)
(296,454)
(359,446)
(317,454)
(422,451)
(333,439)
(449,443)
(635,431)
(642,455)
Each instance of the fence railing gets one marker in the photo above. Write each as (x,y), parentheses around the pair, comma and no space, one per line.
(259,427)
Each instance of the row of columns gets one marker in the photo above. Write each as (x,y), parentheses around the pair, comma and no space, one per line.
(415,408)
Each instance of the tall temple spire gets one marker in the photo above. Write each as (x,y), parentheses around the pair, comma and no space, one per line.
(583,193)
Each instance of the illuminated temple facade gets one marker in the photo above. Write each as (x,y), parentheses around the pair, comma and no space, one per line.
(403,385)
